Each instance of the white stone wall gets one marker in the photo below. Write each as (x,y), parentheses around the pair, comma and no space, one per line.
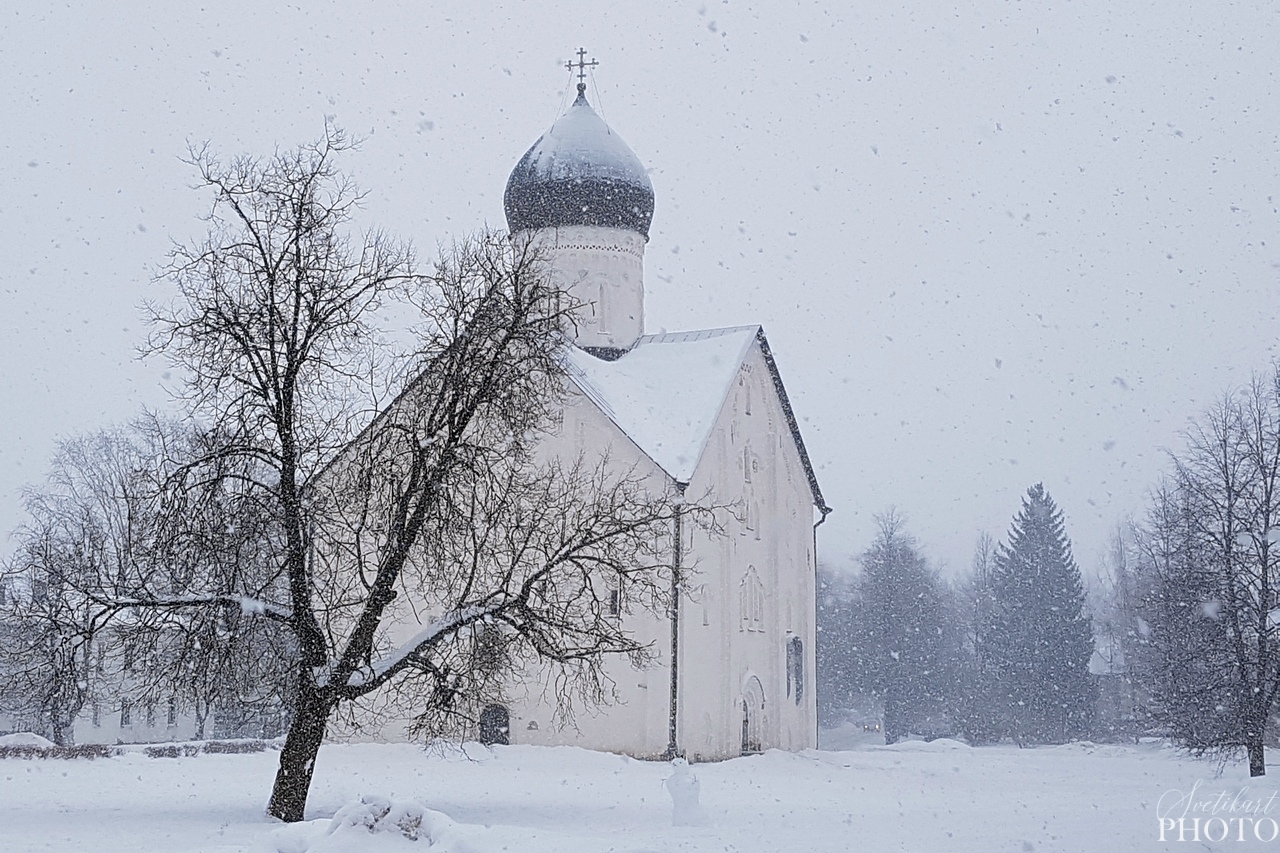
(636,722)
(733,631)
(748,591)
(603,268)
(769,537)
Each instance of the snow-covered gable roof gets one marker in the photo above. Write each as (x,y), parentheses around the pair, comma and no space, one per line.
(666,392)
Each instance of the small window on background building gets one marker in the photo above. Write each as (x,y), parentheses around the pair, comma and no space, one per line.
(173,712)
(126,713)
(151,715)
(615,602)
(96,715)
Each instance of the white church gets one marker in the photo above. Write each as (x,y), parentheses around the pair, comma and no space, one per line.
(702,411)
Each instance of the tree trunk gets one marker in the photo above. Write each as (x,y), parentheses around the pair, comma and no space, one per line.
(298,758)
(198,734)
(1257,758)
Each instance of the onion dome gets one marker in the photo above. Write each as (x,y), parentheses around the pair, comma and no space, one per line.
(579,173)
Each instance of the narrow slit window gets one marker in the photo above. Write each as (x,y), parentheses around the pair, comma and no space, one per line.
(795,668)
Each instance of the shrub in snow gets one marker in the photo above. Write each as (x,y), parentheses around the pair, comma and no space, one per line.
(683,787)
(235,747)
(379,814)
(172,750)
(85,750)
(374,824)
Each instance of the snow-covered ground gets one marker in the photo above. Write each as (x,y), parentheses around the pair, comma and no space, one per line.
(940,796)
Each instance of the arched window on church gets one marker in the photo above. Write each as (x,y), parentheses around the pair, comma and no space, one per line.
(751,601)
(489,649)
(795,668)
(603,310)
(752,716)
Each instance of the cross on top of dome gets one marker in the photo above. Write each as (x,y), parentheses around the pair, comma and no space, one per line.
(582,67)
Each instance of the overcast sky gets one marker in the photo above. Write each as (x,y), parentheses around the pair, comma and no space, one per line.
(991,243)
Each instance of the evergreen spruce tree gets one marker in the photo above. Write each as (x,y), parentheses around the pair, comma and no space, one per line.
(1038,638)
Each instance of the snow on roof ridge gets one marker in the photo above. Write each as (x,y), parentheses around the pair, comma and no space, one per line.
(694,334)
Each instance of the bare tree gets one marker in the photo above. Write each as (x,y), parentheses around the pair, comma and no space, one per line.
(118,519)
(1117,598)
(979,715)
(1211,551)
(442,497)
(46,649)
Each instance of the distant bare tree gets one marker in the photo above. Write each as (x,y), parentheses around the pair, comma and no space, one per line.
(47,644)
(118,522)
(1117,595)
(979,715)
(902,606)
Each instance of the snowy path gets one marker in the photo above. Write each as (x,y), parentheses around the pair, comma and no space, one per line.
(941,796)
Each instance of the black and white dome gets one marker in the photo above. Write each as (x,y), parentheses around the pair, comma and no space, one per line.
(579,173)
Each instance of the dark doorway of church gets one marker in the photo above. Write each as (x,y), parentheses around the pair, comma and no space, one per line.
(495,725)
